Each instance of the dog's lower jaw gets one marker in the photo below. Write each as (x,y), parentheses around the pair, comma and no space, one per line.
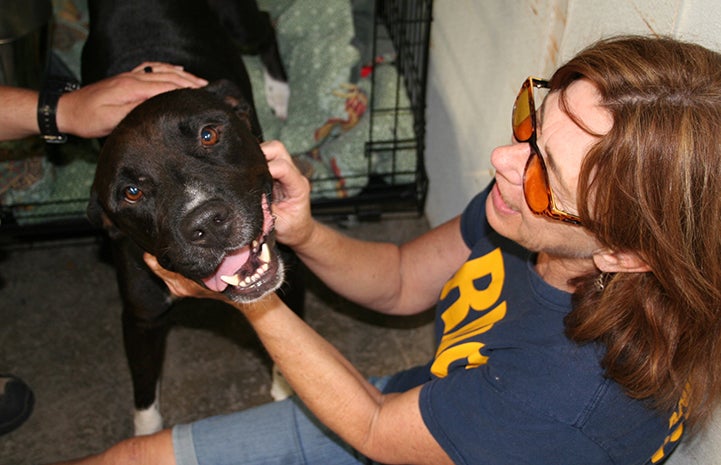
(254,292)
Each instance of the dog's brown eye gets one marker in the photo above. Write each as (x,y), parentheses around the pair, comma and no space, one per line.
(208,136)
(133,194)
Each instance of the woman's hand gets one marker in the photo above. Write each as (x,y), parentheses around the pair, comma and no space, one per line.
(291,196)
(179,285)
(94,110)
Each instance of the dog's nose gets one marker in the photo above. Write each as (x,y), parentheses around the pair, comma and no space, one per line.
(207,225)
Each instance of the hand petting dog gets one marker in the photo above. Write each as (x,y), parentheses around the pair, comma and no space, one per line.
(94,110)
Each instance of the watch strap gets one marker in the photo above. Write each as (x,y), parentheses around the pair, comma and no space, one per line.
(48,107)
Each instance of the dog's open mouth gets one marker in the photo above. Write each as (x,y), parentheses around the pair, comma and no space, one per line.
(252,270)
(242,269)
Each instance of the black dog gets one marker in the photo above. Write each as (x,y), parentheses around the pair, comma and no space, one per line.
(183,176)
(206,37)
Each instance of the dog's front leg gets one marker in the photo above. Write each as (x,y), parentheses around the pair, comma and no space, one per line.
(146,303)
(145,348)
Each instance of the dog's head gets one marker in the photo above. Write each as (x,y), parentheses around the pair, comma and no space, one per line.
(184,177)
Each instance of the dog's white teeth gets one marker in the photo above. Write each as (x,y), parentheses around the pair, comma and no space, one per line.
(231,280)
(264,256)
(254,278)
(255,245)
(265,253)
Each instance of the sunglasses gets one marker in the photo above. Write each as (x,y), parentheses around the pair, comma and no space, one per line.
(536,188)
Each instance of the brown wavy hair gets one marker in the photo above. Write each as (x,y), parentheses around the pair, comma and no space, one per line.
(652,186)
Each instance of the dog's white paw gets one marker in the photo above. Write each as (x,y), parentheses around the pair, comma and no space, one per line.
(277,94)
(148,421)
(279,388)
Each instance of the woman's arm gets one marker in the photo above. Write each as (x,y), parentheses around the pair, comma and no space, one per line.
(386,277)
(392,279)
(386,428)
(93,110)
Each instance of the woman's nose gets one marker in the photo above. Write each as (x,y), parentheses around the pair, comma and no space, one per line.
(510,160)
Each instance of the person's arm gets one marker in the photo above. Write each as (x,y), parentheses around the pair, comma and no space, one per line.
(18,110)
(388,428)
(382,276)
(93,110)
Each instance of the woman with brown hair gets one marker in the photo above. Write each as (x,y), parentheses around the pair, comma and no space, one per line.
(652,187)
(577,297)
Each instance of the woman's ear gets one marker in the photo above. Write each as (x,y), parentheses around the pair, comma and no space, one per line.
(611,261)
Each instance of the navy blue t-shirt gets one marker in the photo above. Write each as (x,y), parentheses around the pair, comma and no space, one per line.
(506,386)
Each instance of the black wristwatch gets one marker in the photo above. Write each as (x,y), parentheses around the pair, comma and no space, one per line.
(48,107)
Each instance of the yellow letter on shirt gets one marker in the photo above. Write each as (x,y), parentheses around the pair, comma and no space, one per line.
(455,344)
(471,298)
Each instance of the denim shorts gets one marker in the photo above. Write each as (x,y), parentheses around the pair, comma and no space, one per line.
(284,432)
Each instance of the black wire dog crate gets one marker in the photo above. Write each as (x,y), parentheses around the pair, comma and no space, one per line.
(388,176)
(395,169)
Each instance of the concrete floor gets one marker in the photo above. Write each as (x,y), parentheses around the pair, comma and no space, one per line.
(60,332)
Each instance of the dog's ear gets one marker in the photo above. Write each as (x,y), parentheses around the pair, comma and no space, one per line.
(98,218)
(231,94)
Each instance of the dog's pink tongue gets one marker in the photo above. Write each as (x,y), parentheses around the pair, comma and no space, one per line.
(228,267)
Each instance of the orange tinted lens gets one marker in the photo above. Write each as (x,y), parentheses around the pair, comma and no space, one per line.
(535,184)
(522,119)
